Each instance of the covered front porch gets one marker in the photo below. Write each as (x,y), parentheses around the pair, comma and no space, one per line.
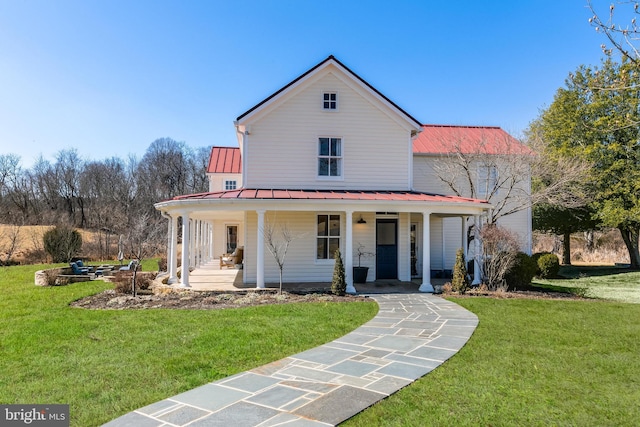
(396,227)
(210,277)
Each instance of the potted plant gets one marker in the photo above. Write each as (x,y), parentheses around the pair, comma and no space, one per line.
(359,272)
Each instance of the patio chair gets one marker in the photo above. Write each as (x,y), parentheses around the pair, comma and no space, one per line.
(80,264)
(232,259)
(130,266)
(78,270)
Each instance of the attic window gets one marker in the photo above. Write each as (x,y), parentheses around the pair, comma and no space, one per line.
(230,185)
(330,101)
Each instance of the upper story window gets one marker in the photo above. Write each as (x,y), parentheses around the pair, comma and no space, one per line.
(329,157)
(230,184)
(487,180)
(330,101)
(328,236)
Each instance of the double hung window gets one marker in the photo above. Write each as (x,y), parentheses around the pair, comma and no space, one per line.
(328,236)
(329,157)
(487,180)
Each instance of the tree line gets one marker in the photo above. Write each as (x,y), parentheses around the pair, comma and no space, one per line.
(110,195)
(596,117)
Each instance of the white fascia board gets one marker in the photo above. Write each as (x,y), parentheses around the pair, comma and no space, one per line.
(202,206)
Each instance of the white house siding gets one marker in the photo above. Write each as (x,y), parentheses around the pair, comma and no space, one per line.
(300,263)
(519,222)
(216,180)
(404,247)
(452,240)
(436,243)
(366,235)
(282,146)
(426,179)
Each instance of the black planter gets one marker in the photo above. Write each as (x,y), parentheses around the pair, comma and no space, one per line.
(360,274)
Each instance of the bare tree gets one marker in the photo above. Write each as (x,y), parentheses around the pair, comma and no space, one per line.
(9,242)
(500,249)
(623,37)
(500,171)
(144,239)
(278,246)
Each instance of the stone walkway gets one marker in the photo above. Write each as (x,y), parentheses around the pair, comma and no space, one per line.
(410,336)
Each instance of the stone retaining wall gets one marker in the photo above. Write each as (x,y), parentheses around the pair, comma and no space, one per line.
(63,276)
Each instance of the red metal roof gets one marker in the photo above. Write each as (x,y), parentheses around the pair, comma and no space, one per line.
(445,139)
(225,160)
(285,194)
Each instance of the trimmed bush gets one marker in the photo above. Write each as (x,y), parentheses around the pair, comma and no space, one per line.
(548,266)
(62,243)
(536,257)
(522,272)
(339,282)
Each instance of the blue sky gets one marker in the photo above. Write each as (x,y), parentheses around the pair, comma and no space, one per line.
(109,77)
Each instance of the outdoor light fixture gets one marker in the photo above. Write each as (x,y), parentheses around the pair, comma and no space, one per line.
(361,220)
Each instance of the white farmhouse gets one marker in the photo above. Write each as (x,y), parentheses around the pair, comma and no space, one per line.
(340,166)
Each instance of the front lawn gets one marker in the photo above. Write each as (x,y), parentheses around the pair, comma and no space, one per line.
(529,363)
(605,282)
(107,363)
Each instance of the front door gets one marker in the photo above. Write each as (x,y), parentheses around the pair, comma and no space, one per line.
(386,249)
(232,238)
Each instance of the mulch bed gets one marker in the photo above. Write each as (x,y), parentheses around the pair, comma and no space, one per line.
(519,295)
(194,300)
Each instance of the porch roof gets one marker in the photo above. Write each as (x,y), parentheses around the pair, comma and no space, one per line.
(351,195)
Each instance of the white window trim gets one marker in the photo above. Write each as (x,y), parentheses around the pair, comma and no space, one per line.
(330,259)
(486,182)
(339,177)
(331,110)
(224,184)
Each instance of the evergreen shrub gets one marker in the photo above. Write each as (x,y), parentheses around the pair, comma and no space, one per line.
(522,272)
(339,282)
(459,282)
(62,243)
(548,266)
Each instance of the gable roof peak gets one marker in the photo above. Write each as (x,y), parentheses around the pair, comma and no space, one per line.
(346,70)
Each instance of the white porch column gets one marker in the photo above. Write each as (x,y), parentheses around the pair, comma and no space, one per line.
(426,253)
(260,251)
(207,242)
(172,259)
(348,253)
(186,237)
(465,239)
(198,243)
(169,231)
(211,254)
(477,256)
(191,258)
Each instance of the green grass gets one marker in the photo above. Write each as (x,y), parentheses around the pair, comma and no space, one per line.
(605,282)
(530,363)
(107,363)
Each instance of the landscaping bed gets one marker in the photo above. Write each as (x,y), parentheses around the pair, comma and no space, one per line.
(200,300)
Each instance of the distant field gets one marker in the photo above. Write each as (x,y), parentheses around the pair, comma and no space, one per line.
(30,240)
